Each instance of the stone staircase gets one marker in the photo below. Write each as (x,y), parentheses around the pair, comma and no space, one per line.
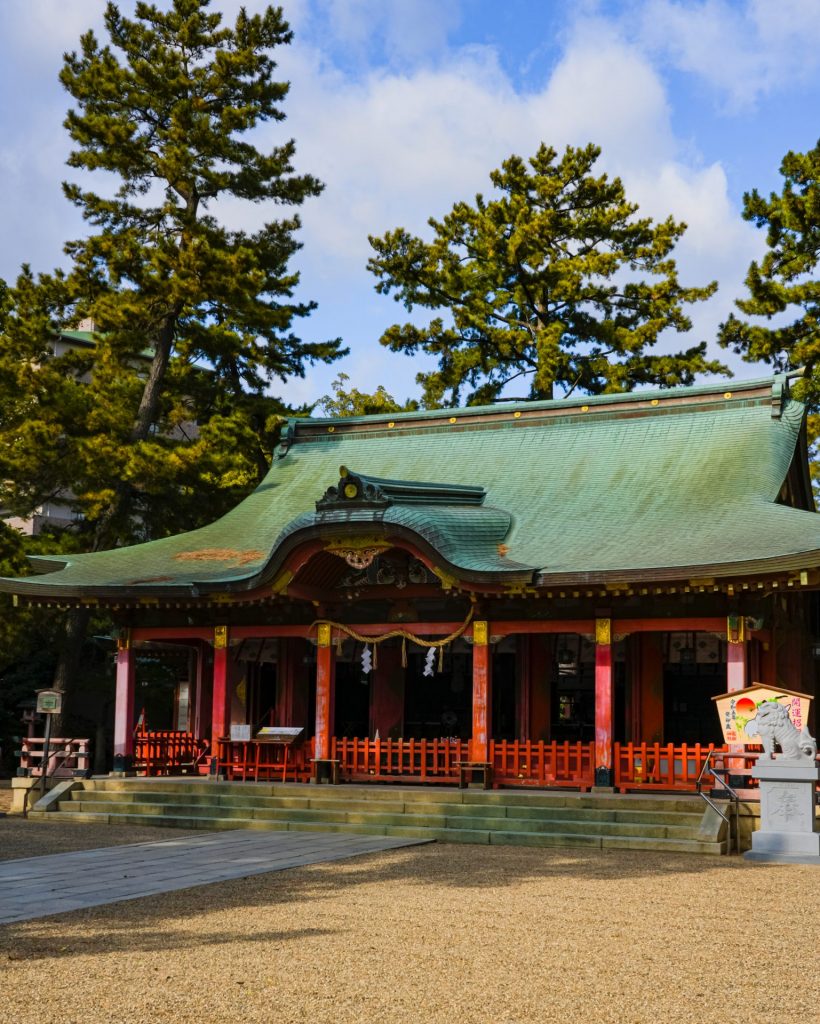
(514,817)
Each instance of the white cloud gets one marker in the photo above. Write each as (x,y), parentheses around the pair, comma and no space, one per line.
(744,50)
(410,29)
(397,146)
(39,30)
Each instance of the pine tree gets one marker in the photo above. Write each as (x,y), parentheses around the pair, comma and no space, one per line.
(164,421)
(556,280)
(191,320)
(784,288)
(352,402)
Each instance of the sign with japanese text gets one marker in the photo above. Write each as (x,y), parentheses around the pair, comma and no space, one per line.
(736,710)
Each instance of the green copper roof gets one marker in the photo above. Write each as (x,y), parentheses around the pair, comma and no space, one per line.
(650,485)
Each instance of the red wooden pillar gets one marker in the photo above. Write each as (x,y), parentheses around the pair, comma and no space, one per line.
(736,658)
(603,702)
(124,704)
(325,672)
(736,662)
(482,694)
(221,705)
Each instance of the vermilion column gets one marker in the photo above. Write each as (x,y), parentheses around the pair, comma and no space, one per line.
(482,694)
(736,656)
(324,693)
(603,703)
(124,705)
(221,707)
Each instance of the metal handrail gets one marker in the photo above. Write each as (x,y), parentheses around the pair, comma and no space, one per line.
(734,799)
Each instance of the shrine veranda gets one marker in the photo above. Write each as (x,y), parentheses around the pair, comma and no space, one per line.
(543,594)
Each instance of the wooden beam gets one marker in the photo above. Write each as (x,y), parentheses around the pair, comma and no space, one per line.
(716,624)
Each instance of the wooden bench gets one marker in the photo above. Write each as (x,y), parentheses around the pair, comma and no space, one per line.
(467,771)
(325,769)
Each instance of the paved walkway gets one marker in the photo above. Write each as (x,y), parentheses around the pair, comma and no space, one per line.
(40,886)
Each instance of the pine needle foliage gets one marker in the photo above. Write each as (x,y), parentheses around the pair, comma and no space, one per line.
(783,288)
(165,420)
(555,279)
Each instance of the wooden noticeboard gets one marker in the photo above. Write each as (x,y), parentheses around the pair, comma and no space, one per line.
(738,708)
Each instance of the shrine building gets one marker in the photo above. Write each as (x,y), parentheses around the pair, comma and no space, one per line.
(547,589)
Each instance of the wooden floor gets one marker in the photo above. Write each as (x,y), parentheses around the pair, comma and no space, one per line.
(41,886)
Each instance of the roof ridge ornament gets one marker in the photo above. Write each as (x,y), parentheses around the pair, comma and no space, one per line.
(355,490)
(781,392)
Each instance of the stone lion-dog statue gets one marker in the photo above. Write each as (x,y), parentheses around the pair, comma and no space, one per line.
(773,725)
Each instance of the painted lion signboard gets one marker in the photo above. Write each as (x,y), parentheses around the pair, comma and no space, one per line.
(738,711)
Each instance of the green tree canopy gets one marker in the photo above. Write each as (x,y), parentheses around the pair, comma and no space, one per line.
(556,280)
(351,402)
(783,288)
(165,419)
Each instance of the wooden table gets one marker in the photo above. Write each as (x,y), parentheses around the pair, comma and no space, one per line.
(467,770)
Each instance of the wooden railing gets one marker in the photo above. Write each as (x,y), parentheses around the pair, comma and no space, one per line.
(528,763)
(66,757)
(515,762)
(661,765)
(365,760)
(249,759)
(168,752)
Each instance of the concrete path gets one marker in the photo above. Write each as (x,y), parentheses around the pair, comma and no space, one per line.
(40,886)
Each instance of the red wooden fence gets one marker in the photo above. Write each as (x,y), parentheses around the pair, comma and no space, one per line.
(528,763)
(249,759)
(168,752)
(515,762)
(65,756)
(365,760)
(661,765)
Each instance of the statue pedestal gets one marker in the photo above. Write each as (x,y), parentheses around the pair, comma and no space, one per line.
(788,823)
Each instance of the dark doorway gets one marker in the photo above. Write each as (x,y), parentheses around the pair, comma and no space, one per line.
(689,714)
(504,724)
(694,671)
(352,700)
(441,704)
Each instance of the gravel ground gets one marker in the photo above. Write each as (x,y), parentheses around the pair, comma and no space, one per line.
(429,934)
(21,838)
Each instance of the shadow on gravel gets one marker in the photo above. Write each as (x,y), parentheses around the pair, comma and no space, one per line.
(170,921)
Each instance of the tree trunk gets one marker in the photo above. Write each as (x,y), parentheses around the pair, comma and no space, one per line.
(68,663)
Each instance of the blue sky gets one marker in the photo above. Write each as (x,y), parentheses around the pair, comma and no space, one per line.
(402,107)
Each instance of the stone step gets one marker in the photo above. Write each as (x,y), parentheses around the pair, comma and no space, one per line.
(230,803)
(379,818)
(442,833)
(207,791)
